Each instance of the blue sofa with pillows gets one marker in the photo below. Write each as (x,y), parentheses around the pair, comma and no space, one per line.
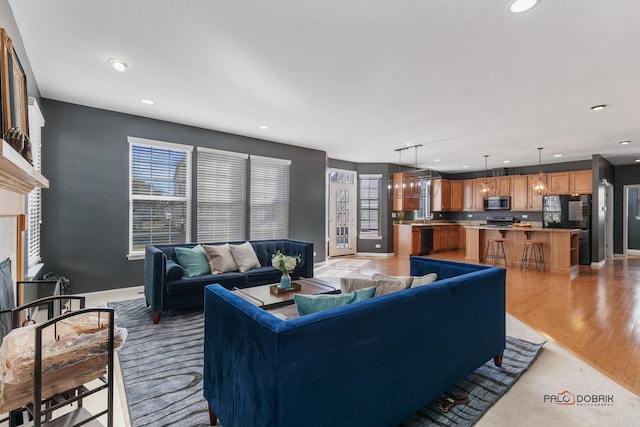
(175,275)
(370,363)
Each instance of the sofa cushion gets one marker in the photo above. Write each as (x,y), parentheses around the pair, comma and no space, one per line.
(193,285)
(220,258)
(193,261)
(174,271)
(424,280)
(383,286)
(244,256)
(406,279)
(263,276)
(307,304)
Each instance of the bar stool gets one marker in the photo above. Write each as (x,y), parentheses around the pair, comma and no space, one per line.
(495,251)
(533,253)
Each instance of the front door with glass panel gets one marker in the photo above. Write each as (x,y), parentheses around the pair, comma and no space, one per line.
(342,212)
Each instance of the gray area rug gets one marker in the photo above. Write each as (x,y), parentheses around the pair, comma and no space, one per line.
(162,370)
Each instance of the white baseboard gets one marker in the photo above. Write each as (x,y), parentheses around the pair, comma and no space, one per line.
(633,251)
(381,254)
(598,264)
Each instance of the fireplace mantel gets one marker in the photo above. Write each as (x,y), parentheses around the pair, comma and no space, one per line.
(16,174)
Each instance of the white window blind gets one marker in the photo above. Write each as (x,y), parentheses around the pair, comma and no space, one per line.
(160,194)
(221,195)
(370,206)
(269,198)
(34,199)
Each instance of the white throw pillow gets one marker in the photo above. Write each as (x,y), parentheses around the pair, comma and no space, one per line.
(244,256)
(424,280)
(220,258)
(406,279)
(383,286)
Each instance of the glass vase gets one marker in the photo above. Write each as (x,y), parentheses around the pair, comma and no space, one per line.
(285,281)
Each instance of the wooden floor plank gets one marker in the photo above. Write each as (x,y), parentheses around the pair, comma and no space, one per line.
(596,316)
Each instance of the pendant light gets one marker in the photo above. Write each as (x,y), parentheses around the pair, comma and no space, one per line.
(539,183)
(486,189)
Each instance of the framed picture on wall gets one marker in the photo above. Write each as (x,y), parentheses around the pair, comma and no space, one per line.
(13,86)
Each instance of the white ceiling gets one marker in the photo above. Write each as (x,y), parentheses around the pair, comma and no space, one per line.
(358,78)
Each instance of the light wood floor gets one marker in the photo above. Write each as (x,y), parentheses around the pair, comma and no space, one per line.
(596,315)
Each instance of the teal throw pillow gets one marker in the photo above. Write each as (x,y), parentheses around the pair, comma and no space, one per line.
(307,304)
(193,261)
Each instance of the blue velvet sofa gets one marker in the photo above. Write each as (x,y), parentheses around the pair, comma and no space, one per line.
(372,363)
(166,290)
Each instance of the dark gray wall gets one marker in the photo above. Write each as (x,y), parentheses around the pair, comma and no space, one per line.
(85,210)
(624,175)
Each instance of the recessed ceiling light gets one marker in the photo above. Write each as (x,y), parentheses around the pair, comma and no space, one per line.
(506,161)
(557,155)
(598,107)
(147,101)
(624,142)
(518,6)
(637,160)
(465,166)
(263,127)
(118,64)
(436,160)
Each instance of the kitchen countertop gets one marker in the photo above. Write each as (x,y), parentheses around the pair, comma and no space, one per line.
(512,228)
(433,223)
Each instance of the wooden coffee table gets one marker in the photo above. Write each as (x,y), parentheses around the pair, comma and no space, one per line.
(264,298)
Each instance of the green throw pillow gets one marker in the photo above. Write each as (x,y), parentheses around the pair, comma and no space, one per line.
(193,261)
(307,304)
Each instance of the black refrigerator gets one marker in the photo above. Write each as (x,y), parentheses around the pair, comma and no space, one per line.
(566,211)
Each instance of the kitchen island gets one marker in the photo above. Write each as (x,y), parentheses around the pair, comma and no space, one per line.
(560,245)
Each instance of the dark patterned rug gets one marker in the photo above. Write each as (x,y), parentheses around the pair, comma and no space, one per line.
(162,370)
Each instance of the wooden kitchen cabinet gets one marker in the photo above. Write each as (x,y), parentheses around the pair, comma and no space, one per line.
(467,195)
(580,182)
(452,237)
(503,186)
(478,197)
(441,195)
(439,238)
(534,202)
(462,237)
(406,192)
(416,240)
(445,237)
(558,183)
(457,196)
(519,193)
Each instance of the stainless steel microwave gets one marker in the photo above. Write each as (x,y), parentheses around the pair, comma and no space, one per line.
(501,203)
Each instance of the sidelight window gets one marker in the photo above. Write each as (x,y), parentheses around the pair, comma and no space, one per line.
(370,190)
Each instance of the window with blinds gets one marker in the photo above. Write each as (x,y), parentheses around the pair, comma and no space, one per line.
(34,199)
(370,206)
(269,198)
(221,195)
(160,194)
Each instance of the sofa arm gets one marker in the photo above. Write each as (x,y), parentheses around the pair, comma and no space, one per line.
(305,250)
(155,277)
